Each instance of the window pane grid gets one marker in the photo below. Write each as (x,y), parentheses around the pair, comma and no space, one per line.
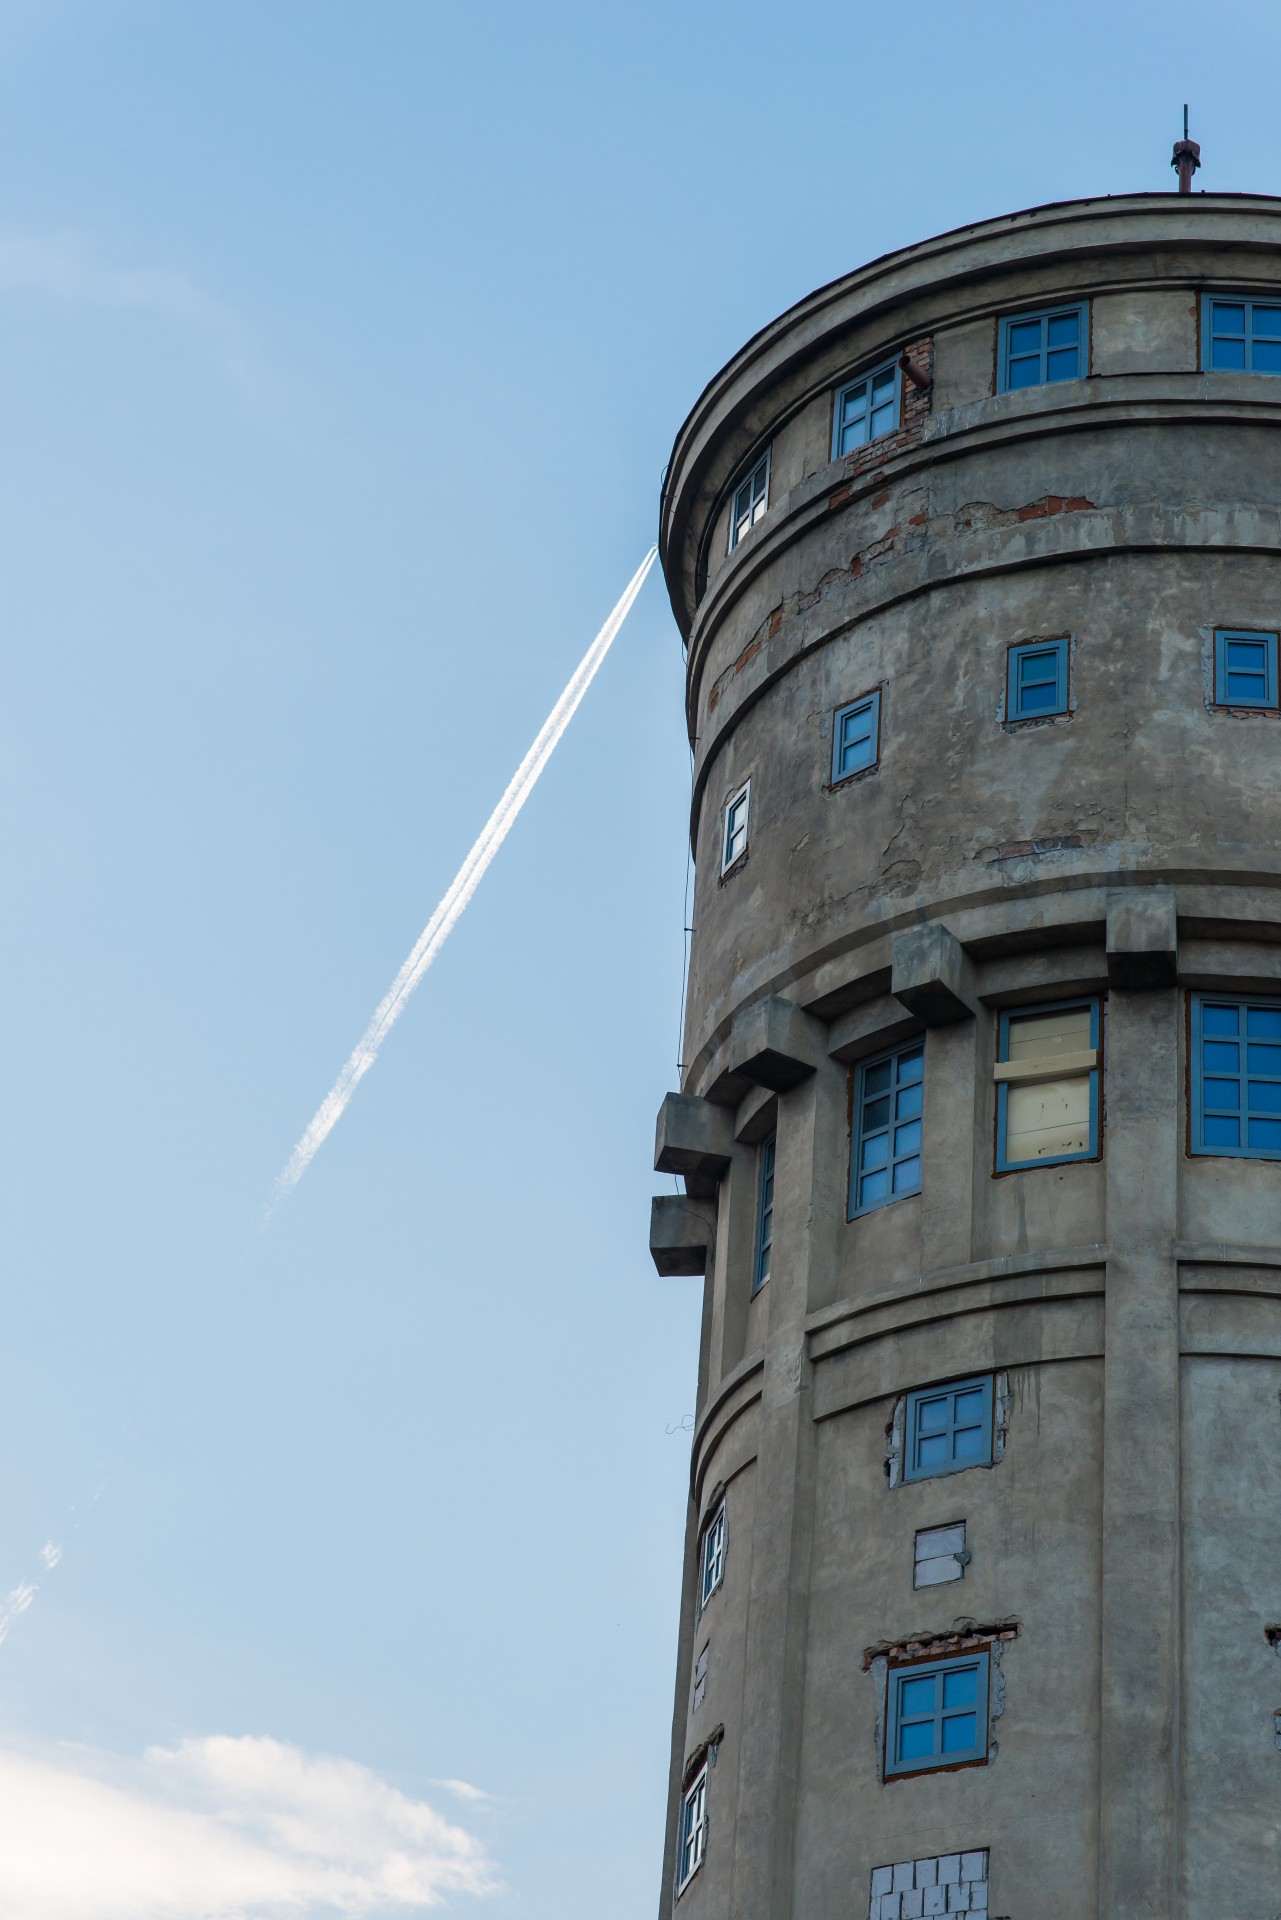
(737,816)
(1037,349)
(948,1428)
(1037,682)
(750,500)
(1245,668)
(1236,1068)
(713,1556)
(886,1147)
(937,1714)
(865,409)
(1242,335)
(856,737)
(693,1829)
(764,1214)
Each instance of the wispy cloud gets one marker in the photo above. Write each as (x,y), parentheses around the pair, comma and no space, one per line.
(223,1828)
(65,266)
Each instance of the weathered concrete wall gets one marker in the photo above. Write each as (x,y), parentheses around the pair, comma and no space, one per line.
(1130,849)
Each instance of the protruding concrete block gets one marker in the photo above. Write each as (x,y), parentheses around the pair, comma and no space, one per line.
(1143,938)
(931,975)
(775,1044)
(681,1233)
(694,1138)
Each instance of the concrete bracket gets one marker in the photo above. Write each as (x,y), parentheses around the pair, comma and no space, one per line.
(1142,938)
(931,975)
(773,1043)
(682,1233)
(695,1138)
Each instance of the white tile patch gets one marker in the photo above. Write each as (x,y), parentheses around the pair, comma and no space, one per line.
(939,1555)
(948,1883)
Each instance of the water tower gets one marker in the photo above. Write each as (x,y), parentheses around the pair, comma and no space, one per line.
(977,552)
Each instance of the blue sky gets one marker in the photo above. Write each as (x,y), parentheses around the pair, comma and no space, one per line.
(342,349)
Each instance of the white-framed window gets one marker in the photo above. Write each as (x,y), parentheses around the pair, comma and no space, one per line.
(693,1834)
(737,814)
(712,1556)
(751,497)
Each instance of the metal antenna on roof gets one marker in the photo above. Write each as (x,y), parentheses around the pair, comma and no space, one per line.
(1187,156)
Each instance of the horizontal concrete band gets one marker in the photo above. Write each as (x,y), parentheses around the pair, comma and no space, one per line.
(990,1316)
(1229,924)
(841,601)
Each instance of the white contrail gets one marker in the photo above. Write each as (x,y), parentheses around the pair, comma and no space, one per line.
(463,886)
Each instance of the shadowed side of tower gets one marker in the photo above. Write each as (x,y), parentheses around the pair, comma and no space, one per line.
(977,552)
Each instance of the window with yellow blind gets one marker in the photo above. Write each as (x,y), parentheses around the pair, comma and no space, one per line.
(1047,1085)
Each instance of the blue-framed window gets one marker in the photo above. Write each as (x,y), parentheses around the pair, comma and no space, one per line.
(1245,668)
(947,1429)
(692,1843)
(865,408)
(751,498)
(856,737)
(1236,1077)
(885,1156)
(1037,679)
(1047,1091)
(1035,349)
(764,1211)
(937,1714)
(738,811)
(1242,336)
(711,1559)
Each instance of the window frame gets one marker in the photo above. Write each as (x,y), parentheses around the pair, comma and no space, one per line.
(864,701)
(1044,314)
(691,1840)
(1249,301)
(712,1556)
(1015,654)
(857,1210)
(914,1399)
(766,1158)
(740,525)
(890,365)
(1008,1014)
(730,859)
(1197,1148)
(1223,638)
(938,1762)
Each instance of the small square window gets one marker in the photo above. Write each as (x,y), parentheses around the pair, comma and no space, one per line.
(865,408)
(948,1428)
(1245,668)
(856,737)
(712,1556)
(885,1150)
(737,815)
(1037,679)
(937,1714)
(1241,336)
(693,1833)
(1236,1077)
(750,500)
(939,1555)
(1036,349)
(764,1212)
(1047,1085)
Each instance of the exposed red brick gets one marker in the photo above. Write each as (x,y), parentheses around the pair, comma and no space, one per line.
(775,621)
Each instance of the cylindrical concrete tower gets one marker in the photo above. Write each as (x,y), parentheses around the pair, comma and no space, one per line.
(978,556)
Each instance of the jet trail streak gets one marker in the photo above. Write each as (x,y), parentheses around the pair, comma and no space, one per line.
(463,886)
